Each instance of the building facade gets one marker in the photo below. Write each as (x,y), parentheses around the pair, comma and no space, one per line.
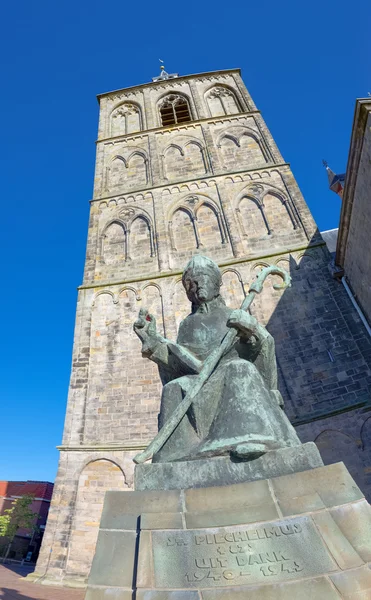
(187,165)
(353,253)
(26,543)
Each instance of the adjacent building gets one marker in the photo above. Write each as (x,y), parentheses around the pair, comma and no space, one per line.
(26,544)
(353,253)
(188,165)
(330,236)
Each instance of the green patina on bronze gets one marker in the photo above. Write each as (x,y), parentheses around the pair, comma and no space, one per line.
(220,391)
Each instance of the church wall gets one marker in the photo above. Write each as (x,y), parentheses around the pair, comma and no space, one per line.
(357,264)
(250,212)
(73,521)
(217,187)
(344,437)
(95,479)
(184,152)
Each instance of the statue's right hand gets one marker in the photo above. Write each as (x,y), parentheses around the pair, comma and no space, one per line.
(145,328)
(145,322)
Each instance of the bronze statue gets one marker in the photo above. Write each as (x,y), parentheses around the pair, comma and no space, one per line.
(220,391)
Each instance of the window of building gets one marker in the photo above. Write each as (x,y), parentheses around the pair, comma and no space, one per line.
(125,119)
(174,109)
(222,101)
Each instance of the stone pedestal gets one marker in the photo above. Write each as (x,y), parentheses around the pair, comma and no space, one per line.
(301,536)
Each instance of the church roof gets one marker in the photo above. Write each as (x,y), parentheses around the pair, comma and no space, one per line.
(330,237)
(335,181)
(39,489)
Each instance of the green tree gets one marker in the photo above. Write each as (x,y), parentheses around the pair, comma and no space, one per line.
(18,516)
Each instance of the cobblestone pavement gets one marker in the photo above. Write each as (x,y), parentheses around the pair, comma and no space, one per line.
(13,586)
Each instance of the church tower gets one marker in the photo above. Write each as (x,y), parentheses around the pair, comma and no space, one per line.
(185,165)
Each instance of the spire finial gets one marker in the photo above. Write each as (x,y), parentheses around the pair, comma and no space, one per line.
(163,73)
(336,182)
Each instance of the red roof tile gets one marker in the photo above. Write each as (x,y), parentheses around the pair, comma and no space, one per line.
(39,489)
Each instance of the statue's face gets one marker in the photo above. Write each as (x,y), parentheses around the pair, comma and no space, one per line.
(201,286)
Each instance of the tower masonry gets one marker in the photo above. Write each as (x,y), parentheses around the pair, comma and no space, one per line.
(187,165)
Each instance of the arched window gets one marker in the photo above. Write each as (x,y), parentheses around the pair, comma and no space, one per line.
(114,246)
(182,232)
(174,109)
(278,213)
(243,150)
(208,227)
(233,291)
(184,161)
(222,101)
(140,239)
(126,118)
(117,173)
(251,216)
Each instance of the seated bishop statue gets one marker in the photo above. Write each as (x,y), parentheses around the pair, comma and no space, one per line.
(239,410)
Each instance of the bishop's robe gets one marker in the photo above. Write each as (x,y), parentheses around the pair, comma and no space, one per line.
(239,407)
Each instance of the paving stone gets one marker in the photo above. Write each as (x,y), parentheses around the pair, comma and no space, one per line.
(108,594)
(219,518)
(356,580)
(154,595)
(235,496)
(300,504)
(113,563)
(358,596)
(161,521)
(144,568)
(354,520)
(315,589)
(332,483)
(14,586)
(339,546)
(122,509)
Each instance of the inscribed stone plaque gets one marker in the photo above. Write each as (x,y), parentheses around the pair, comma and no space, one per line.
(241,555)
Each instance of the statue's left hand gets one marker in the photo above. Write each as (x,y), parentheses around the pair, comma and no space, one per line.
(245,323)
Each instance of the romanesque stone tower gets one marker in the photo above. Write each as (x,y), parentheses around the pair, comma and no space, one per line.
(187,165)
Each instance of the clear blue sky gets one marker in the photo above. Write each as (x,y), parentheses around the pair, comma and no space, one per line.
(303,63)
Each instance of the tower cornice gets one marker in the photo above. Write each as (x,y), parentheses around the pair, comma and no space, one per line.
(246,259)
(169,83)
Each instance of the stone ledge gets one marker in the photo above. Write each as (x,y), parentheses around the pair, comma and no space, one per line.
(222,471)
(63,582)
(284,250)
(103,447)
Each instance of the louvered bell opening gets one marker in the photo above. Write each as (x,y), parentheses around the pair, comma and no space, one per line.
(167,115)
(182,112)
